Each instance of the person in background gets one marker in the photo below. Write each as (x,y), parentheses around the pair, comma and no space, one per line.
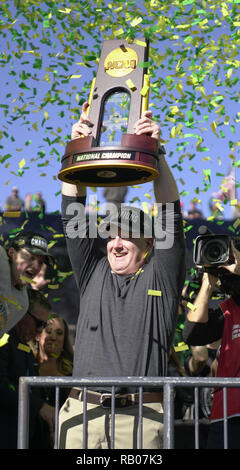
(21,259)
(53,351)
(194,212)
(205,325)
(14,202)
(40,203)
(17,360)
(28,203)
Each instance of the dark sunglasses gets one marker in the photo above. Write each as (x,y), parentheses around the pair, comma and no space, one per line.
(39,323)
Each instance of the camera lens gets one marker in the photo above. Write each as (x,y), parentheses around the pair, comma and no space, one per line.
(214,251)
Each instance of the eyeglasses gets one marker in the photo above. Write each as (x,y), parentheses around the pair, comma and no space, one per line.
(39,323)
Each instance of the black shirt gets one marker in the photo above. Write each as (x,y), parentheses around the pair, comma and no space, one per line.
(123,330)
(200,334)
(17,360)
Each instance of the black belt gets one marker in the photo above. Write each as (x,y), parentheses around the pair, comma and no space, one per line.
(121,401)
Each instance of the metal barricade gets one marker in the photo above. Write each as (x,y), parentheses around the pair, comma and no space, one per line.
(168,384)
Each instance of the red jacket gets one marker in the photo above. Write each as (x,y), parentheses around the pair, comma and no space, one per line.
(229,361)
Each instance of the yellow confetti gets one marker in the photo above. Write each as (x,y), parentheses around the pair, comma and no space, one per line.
(176,131)
(24,347)
(226,120)
(27,279)
(51,244)
(183,26)
(46,115)
(58,235)
(136,21)
(219,207)
(65,10)
(12,214)
(144,91)
(140,43)
(51,229)
(145,207)
(214,127)
(236,223)
(181,347)
(27,52)
(130,84)
(22,163)
(4,339)
(119,32)
(153,292)
(224,10)
(191,306)
(203,22)
(202,90)
(233,202)
(81,63)
(174,109)
(75,76)
(24,223)
(191,294)
(10,299)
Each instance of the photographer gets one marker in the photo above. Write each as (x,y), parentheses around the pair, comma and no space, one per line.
(204,325)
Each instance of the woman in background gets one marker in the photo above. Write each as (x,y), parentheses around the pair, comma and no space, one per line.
(54,352)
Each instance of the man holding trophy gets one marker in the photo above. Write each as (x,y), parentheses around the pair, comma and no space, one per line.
(128,298)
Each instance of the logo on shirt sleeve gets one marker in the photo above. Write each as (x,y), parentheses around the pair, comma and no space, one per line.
(236,331)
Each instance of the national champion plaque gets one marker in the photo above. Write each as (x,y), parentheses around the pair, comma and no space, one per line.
(114,155)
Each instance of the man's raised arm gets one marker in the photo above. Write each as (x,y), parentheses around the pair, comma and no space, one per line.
(165,187)
(79,129)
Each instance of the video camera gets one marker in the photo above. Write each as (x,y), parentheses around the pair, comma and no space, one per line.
(211,251)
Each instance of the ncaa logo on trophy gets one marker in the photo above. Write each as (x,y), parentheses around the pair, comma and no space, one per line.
(113,155)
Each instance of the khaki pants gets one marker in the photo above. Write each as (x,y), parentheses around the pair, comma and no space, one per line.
(99,426)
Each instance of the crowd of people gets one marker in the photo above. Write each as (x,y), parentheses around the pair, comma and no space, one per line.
(130,300)
(31,203)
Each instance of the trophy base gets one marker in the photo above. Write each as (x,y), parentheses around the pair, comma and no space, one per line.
(111,174)
(134,162)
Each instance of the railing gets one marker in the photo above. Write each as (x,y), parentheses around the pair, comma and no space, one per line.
(169,384)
